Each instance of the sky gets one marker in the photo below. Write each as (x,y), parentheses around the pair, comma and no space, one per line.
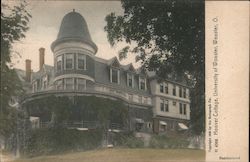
(45,23)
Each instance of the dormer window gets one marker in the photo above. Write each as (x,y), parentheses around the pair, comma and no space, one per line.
(81,61)
(130,80)
(114,75)
(69,61)
(44,82)
(34,86)
(142,83)
(59,63)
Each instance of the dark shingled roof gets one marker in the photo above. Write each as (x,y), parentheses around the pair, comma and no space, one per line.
(74,27)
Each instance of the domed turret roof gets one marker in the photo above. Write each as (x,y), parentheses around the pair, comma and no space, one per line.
(74,27)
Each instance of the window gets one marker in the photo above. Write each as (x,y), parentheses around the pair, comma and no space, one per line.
(166,106)
(130,79)
(174,90)
(44,81)
(114,76)
(162,105)
(59,84)
(81,84)
(69,61)
(34,86)
(59,63)
(142,83)
(161,88)
(180,92)
(184,93)
(184,109)
(166,88)
(174,103)
(180,108)
(69,83)
(81,61)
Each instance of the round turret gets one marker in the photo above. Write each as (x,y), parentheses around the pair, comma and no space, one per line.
(74,28)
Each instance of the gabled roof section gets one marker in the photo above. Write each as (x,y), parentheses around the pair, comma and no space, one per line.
(129,67)
(141,71)
(114,62)
(47,69)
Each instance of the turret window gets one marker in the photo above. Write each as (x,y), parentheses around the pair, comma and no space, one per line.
(59,63)
(69,83)
(69,61)
(81,84)
(81,61)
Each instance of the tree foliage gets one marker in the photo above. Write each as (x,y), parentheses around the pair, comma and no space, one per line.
(14,21)
(169,38)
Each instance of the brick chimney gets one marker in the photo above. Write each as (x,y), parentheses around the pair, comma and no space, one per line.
(41,57)
(28,70)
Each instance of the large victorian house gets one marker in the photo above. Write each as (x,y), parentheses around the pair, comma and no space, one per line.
(159,106)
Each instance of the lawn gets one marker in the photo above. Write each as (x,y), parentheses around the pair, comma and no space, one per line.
(124,155)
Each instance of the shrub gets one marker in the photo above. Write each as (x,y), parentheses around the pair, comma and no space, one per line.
(162,141)
(50,141)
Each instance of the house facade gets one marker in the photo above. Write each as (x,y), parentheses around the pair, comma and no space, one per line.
(157,106)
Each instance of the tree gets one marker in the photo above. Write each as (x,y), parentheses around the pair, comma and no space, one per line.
(14,22)
(169,39)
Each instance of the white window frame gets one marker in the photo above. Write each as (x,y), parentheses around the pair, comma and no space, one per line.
(118,75)
(65,82)
(132,77)
(145,81)
(77,83)
(57,59)
(77,57)
(65,63)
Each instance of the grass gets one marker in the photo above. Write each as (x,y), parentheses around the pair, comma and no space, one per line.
(124,155)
